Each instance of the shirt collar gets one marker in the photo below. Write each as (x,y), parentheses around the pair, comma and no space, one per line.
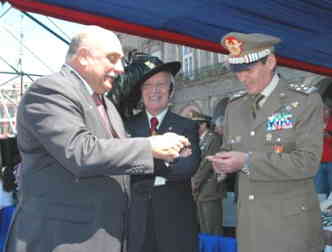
(267,91)
(86,85)
(203,135)
(160,117)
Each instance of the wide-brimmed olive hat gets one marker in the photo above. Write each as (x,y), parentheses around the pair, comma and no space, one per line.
(153,65)
(126,91)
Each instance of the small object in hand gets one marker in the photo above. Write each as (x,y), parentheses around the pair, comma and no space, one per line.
(185,152)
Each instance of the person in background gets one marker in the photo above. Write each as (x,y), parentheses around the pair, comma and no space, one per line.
(219,125)
(7,203)
(163,216)
(76,158)
(323,178)
(207,190)
(273,139)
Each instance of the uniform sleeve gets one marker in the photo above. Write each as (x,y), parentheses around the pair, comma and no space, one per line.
(302,161)
(205,168)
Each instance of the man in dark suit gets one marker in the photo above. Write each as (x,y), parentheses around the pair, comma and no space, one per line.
(163,216)
(73,143)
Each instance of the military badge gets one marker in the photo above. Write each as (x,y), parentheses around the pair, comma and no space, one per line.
(268,137)
(295,104)
(234,46)
(279,121)
(278,148)
(150,64)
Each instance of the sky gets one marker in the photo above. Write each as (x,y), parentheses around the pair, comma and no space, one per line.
(22,39)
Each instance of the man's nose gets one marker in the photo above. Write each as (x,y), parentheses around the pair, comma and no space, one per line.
(118,68)
(241,75)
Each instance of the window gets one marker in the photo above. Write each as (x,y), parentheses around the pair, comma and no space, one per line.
(221,58)
(188,62)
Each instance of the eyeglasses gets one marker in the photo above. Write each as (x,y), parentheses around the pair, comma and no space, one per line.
(160,86)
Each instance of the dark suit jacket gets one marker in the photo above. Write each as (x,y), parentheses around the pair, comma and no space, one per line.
(70,199)
(173,209)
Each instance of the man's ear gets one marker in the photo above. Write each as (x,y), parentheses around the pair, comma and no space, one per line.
(271,61)
(83,55)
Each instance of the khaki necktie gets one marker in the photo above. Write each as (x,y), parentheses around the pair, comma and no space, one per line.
(153,125)
(101,108)
(255,103)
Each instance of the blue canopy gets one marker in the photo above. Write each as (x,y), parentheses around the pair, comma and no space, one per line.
(305,26)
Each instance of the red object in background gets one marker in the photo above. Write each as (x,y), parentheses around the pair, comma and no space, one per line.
(327,145)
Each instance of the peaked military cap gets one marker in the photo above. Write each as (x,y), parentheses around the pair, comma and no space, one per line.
(196,116)
(246,49)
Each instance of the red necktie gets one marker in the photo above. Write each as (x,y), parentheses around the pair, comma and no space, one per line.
(103,114)
(154,123)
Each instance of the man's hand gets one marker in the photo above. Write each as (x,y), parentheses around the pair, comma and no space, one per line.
(168,146)
(227,162)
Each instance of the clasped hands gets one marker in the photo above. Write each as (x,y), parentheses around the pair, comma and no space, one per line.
(227,162)
(170,146)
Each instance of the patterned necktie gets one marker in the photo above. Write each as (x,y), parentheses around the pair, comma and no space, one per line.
(103,114)
(154,123)
(255,103)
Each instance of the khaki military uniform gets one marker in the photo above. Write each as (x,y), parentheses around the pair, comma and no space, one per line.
(277,205)
(207,191)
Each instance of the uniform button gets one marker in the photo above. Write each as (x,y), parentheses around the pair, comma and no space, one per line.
(252,133)
(251,197)
(303,208)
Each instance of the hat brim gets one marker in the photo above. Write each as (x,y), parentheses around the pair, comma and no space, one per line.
(241,67)
(171,67)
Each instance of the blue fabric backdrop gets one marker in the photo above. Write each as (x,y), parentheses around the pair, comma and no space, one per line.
(305,26)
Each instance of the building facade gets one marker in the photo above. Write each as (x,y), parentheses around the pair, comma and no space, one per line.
(204,82)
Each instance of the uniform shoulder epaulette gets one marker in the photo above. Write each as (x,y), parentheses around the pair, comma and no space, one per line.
(301,87)
(237,95)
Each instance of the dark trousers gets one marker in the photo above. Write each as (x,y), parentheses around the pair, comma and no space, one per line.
(150,242)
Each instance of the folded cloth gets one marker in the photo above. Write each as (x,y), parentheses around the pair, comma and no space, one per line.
(5,218)
(214,243)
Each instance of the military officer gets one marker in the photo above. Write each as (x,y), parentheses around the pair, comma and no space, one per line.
(273,137)
(207,191)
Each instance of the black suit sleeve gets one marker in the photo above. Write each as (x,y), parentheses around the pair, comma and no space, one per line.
(183,168)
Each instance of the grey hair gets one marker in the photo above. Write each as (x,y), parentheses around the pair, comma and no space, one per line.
(74,45)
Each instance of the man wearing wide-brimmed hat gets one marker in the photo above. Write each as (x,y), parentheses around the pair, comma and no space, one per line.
(273,137)
(163,216)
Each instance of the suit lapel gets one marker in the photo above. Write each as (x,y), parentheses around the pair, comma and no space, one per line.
(114,118)
(112,113)
(87,100)
(168,123)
